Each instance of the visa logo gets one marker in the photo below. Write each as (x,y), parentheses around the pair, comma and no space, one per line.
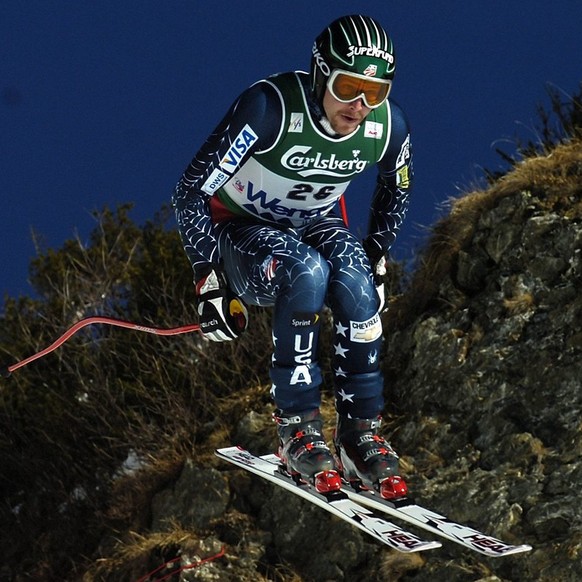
(243,141)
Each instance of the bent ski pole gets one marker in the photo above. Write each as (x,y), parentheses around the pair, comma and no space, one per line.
(5,371)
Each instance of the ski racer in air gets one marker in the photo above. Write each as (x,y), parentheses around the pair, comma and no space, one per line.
(256,210)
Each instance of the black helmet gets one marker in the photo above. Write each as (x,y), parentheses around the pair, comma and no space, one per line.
(354,43)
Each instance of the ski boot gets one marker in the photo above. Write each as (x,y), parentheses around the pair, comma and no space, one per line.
(366,460)
(304,452)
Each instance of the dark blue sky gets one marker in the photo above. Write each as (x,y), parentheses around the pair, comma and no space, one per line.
(106,102)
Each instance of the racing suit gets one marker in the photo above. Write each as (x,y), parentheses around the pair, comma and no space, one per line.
(259,199)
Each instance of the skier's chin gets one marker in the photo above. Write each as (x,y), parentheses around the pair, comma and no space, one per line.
(346,124)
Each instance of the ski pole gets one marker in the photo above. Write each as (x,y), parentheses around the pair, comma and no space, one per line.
(5,371)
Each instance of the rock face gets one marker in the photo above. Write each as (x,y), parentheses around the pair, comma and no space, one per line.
(483,367)
(486,375)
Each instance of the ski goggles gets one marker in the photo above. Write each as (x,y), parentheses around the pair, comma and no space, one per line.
(347,87)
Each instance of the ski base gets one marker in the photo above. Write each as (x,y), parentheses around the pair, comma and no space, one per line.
(337,503)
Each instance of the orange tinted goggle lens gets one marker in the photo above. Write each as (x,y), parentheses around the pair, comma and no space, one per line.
(346,88)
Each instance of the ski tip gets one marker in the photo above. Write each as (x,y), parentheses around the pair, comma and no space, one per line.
(428,545)
(519,549)
(494,548)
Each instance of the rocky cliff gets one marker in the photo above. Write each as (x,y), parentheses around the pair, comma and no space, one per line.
(484,361)
(483,366)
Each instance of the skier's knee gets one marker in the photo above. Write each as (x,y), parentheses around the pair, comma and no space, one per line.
(306,273)
(353,294)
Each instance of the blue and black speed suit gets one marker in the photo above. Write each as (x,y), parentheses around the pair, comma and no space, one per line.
(259,198)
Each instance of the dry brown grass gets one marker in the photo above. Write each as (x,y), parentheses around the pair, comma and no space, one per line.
(130,559)
(556,179)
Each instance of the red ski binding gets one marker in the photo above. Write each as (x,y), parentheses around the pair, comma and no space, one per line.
(393,487)
(327,481)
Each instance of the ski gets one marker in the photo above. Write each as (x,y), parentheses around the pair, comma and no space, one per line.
(337,503)
(407,510)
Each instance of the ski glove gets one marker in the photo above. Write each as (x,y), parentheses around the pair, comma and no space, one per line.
(378,262)
(222,315)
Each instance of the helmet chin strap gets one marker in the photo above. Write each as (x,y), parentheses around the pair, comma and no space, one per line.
(319,114)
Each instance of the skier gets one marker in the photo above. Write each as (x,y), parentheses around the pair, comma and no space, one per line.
(256,213)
